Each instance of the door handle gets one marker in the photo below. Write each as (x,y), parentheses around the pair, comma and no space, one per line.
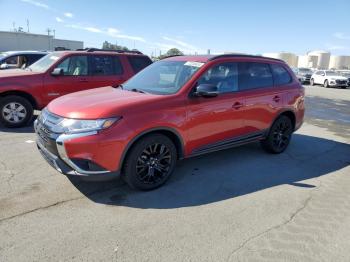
(237,105)
(276,99)
(83,80)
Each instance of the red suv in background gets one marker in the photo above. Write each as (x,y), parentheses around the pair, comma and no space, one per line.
(176,108)
(61,73)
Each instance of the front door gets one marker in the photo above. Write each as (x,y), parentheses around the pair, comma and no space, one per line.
(216,120)
(75,78)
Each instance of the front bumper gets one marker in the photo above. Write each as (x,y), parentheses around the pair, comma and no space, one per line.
(53,149)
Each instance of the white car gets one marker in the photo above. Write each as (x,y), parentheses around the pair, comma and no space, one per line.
(328,78)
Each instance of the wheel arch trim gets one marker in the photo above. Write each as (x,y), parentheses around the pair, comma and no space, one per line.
(179,143)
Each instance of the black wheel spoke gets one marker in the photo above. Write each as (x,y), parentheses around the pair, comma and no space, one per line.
(154,163)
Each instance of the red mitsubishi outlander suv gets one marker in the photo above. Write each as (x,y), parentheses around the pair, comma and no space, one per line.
(176,108)
(61,73)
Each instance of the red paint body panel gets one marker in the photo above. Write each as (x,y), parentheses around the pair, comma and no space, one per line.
(197,121)
(43,87)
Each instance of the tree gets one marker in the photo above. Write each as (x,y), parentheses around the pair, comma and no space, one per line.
(174,51)
(109,46)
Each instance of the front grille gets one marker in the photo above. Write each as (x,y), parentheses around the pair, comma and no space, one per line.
(45,130)
(341,82)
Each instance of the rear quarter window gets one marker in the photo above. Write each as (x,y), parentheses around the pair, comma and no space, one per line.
(139,62)
(281,75)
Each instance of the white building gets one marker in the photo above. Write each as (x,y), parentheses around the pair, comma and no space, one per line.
(323,58)
(308,61)
(339,62)
(290,58)
(18,41)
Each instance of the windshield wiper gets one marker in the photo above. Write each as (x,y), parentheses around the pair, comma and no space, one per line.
(117,86)
(137,90)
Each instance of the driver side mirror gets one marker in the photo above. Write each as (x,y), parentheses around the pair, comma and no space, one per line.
(323,74)
(206,90)
(57,72)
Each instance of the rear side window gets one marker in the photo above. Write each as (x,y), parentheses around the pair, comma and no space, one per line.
(280,75)
(254,75)
(139,62)
(104,65)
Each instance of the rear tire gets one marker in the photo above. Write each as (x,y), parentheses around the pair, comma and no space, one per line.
(150,162)
(279,135)
(15,111)
(312,83)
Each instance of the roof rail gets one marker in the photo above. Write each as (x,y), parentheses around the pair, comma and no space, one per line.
(169,56)
(242,55)
(108,50)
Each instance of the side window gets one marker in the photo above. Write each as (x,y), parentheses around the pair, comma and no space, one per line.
(104,65)
(254,75)
(139,62)
(224,76)
(74,66)
(16,61)
(280,75)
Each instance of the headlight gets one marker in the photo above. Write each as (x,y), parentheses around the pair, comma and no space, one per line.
(71,126)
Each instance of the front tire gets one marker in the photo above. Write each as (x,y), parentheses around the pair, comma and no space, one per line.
(15,111)
(279,135)
(326,85)
(150,162)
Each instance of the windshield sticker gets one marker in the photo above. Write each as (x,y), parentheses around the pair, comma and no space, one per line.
(54,57)
(194,64)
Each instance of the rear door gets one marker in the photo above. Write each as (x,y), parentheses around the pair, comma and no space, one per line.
(107,70)
(262,99)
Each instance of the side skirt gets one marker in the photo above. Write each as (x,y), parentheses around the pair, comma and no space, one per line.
(229,143)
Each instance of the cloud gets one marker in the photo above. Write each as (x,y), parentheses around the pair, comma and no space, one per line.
(179,44)
(67,14)
(341,36)
(335,47)
(36,3)
(59,20)
(112,32)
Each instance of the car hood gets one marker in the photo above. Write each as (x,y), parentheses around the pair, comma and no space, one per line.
(103,102)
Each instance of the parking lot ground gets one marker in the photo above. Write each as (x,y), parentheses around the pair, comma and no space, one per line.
(240,204)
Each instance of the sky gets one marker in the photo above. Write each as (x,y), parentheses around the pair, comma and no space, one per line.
(193,26)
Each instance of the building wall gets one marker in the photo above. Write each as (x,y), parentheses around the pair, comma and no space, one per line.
(14,41)
(290,58)
(323,58)
(339,62)
(308,61)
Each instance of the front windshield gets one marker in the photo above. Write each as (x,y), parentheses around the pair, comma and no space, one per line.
(331,73)
(163,77)
(2,55)
(44,63)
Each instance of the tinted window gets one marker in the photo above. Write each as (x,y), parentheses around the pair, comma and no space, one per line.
(33,58)
(224,76)
(280,75)
(139,62)
(74,66)
(106,65)
(254,75)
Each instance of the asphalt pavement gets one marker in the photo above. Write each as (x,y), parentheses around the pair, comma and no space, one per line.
(240,204)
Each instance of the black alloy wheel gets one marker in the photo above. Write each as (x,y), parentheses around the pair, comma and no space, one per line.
(150,162)
(279,136)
